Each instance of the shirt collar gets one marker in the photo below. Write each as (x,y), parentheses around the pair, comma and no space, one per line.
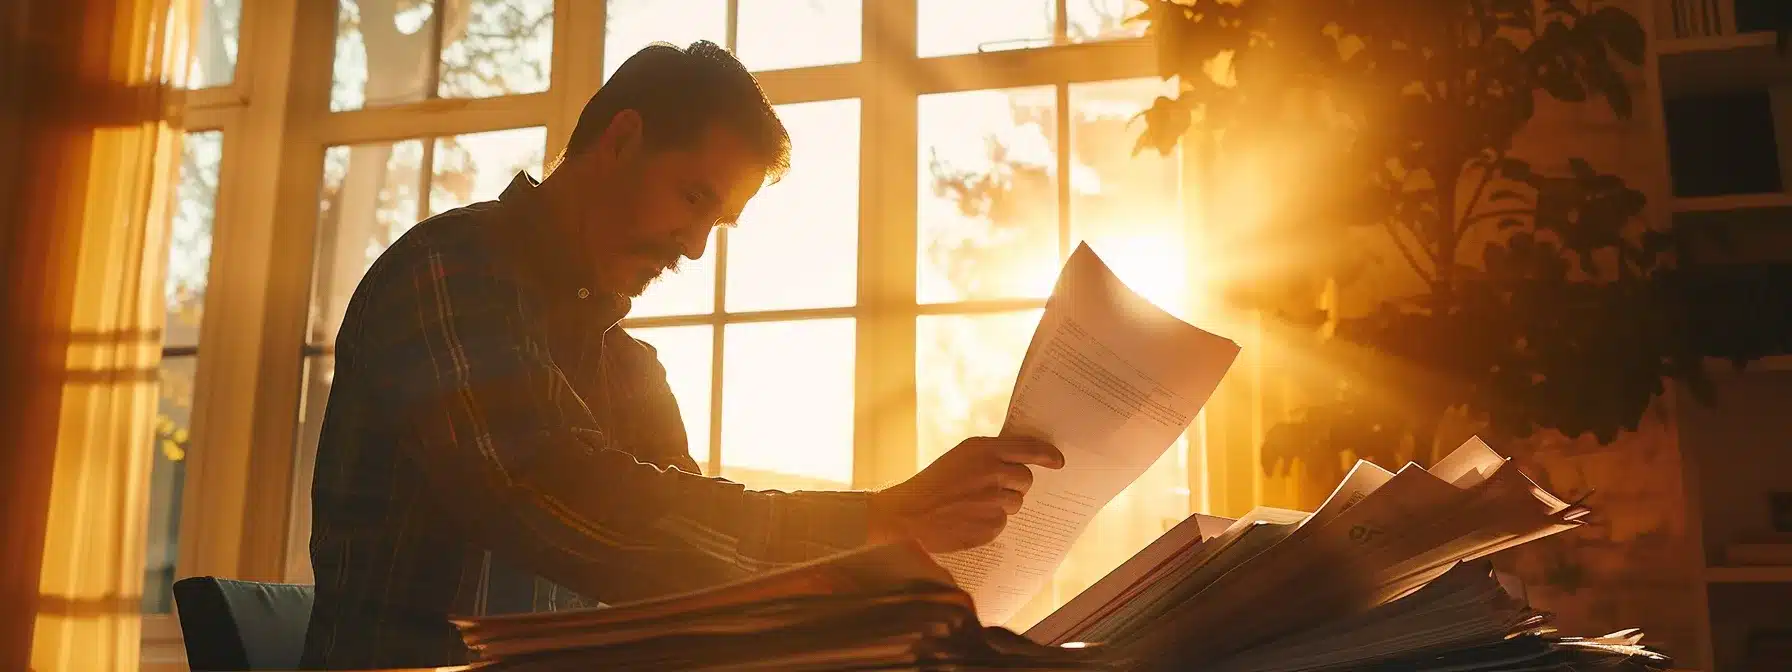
(553,258)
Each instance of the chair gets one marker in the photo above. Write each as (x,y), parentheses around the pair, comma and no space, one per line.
(242,625)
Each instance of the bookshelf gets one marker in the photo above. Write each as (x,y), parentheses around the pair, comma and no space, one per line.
(1733,455)
(1738,574)
(1726,98)
(1733,202)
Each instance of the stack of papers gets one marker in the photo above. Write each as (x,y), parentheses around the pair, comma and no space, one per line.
(1383,576)
(888,607)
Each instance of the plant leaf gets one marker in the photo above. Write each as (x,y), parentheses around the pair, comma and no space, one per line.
(1617,94)
(1165,123)
(1623,32)
(1580,168)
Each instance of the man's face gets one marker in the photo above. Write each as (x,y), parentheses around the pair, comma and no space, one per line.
(649,208)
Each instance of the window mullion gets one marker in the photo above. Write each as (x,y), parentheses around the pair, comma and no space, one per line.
(577,67)
(1061,22)
(432,69)
(1201,473)
(1062,117)
(884,375)
(732,39)
(435,117)
(290,156)
(717,345)
(426,172)
(1102,61)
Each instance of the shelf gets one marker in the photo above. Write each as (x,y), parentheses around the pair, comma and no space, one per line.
(1718,366)
(1685,45)
(1748,574)
(1700,65)
(1732,202)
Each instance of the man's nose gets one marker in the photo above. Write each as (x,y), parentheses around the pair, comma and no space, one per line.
(694,240)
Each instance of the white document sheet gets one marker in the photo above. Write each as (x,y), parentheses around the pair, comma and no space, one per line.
(1111,380)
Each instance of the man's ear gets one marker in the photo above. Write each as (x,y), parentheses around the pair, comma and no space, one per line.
(621,140)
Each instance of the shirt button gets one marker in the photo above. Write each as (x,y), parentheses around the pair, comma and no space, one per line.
(584,293)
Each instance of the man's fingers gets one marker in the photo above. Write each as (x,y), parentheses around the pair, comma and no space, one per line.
(974,521)
(1014,477)
(1010,501)
(1028,451)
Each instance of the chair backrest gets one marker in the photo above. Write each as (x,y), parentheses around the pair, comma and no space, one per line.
(242,625)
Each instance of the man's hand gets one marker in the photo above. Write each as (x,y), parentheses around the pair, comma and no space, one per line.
(964,498)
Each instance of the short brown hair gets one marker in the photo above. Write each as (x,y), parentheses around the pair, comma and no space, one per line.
(678,93)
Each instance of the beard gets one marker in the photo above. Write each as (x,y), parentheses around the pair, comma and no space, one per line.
(665,259)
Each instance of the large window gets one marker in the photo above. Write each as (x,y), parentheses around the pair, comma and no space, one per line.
(870,309)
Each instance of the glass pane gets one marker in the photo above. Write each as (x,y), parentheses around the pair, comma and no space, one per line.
(830,33)
(686,352)
(988,202)
(384,50)
(964,373)
(1092,20)
(478,166)
(167,473)
(190,236)
(797,243)
(630,25)
(945,27)
(1128,207)
(216,25)
(320,372)
(787,404)
(499,47)
(690,290)
(370,198)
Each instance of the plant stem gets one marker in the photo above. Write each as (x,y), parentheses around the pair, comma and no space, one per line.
(1470,221)
(1411,259)
(1448,237)
(1486,177)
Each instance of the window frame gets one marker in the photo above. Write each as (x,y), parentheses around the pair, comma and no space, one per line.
(274,163)
(162,631)
(219,109)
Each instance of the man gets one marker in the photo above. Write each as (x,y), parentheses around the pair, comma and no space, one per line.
(494,444)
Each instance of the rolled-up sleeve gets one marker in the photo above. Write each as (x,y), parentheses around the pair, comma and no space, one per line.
(514,455)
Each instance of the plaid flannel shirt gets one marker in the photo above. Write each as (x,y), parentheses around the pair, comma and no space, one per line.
(495,444)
